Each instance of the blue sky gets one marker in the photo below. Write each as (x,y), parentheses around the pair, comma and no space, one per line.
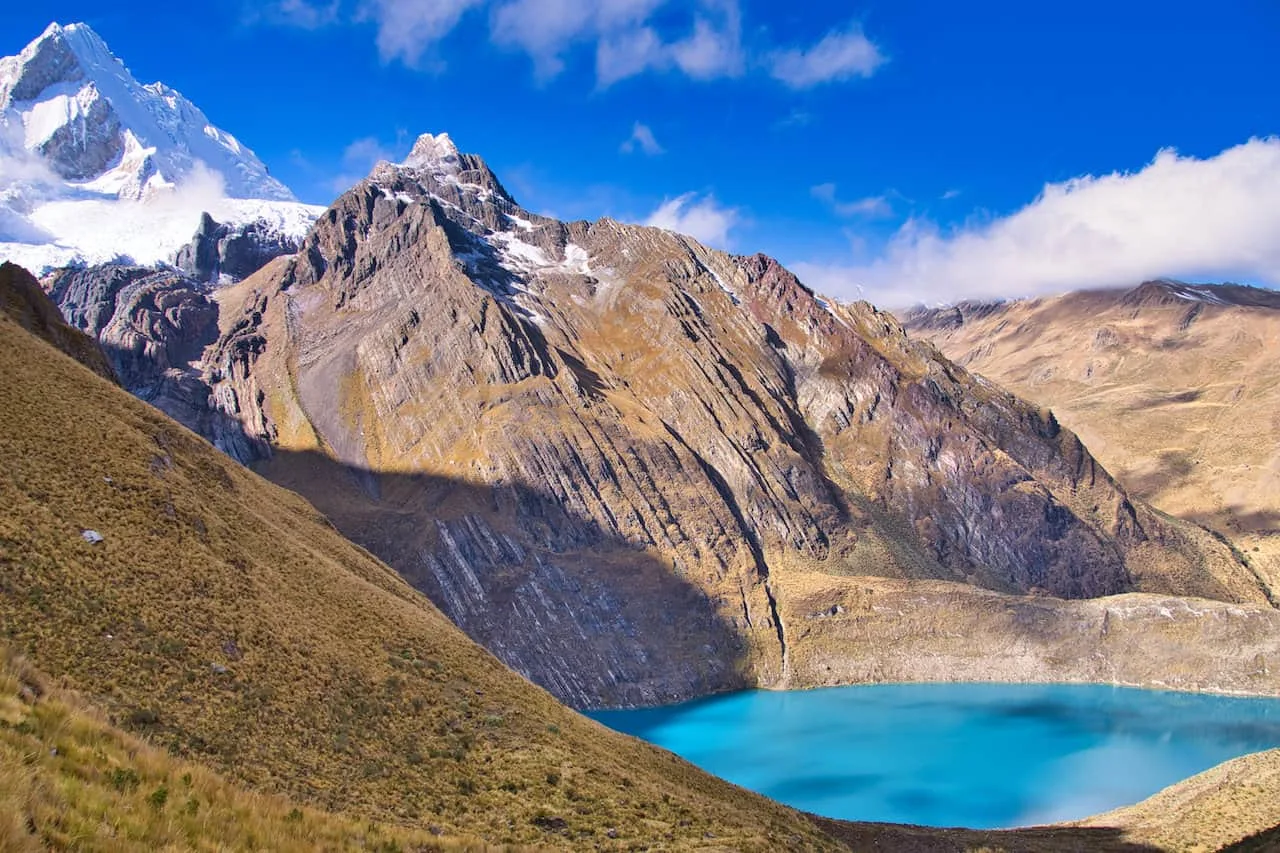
(903,146)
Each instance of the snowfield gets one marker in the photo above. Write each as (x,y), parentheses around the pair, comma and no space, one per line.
(144,232)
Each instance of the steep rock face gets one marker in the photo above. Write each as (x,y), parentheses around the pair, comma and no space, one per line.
(221,251)
(658,436)
(154,326)
(152,321)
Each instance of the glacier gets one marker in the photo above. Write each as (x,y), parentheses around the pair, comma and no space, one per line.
(96,167)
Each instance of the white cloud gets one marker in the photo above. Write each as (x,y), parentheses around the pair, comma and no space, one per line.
(712,50)
(408,29)
(306,14)
(701,39)
(642,139)
(628,54)
(546,29)
(703,219)
(840,55)
(871,207)
(1179,217)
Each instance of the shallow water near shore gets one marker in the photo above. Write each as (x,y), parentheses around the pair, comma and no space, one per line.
(983,756)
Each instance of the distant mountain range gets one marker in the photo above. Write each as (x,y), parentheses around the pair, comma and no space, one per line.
(1174,386)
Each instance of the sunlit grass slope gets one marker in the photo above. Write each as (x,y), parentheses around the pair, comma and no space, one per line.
(69,780)
(225,620)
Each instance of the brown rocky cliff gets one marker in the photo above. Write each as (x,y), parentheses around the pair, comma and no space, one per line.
(658,434)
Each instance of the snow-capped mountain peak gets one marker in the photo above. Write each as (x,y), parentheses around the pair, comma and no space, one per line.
(67,98)
(96,167)
(435,152)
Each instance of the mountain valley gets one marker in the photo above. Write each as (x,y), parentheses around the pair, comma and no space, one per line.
(343,511)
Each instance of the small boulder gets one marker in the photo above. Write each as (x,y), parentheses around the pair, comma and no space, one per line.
(93,537)
(550,823)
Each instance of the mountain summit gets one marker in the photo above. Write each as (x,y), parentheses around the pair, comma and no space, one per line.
(98,168)
(434,152)
(68,99)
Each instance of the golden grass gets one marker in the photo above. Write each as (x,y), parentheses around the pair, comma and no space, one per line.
(25,303)
(1207,812)
(69,780)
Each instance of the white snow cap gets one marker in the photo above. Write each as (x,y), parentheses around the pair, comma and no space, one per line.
(69,82)
(95,166)
(435,152)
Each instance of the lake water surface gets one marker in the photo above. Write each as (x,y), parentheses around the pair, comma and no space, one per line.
(976,755)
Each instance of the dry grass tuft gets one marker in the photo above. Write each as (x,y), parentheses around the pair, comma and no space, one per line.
(70,780)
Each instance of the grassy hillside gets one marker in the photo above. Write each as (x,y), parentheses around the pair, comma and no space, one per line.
(227,621)
(69,780)
(26,304)
(1224,806)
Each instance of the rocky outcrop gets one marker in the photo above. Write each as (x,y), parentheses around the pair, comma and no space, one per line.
(154,326)
(606,451)
(220,252)
(151,321)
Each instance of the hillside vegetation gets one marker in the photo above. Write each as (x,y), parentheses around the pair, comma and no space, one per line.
(225,620)
(70,780)
(243,657)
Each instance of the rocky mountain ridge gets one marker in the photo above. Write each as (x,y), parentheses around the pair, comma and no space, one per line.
(647,420)
(224,252)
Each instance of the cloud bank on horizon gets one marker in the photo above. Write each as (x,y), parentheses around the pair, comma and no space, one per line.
(1213,219)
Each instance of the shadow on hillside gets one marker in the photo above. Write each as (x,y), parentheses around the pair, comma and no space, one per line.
(914,839)
(1245,520)
(1262,842)
(184,395)
(588,615)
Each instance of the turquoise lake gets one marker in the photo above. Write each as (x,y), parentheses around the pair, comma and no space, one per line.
(983,756)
